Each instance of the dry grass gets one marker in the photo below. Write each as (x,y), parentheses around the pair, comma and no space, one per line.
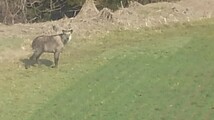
(135,17)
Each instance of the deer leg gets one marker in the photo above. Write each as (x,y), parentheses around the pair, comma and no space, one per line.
(56,59)
(31,61)
(35,56)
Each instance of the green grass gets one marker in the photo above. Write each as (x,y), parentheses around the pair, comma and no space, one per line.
(161,74)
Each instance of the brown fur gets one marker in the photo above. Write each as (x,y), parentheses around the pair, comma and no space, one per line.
(50,44)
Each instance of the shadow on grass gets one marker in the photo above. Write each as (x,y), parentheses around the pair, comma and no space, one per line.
(29,63)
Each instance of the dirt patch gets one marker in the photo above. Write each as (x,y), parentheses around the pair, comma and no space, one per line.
(90,22)
(88,10)
(199,8)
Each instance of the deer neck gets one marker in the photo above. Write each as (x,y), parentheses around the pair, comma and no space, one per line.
(63,38)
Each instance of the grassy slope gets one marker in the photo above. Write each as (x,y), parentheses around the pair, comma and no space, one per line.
(131,75)
(6,42)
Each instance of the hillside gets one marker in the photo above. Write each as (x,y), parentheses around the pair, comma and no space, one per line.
(163,73)
(135,17)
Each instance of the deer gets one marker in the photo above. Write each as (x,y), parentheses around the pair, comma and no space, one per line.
(50,44)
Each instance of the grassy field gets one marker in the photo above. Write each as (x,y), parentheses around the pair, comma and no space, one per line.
(165,73)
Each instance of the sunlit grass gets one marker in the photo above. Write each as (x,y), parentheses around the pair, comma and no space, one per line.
(165,73)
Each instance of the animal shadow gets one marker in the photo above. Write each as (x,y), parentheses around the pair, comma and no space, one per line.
(28,63)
